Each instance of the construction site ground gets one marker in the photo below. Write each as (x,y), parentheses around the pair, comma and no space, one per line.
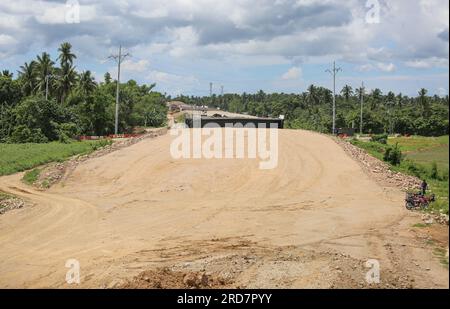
(137,218)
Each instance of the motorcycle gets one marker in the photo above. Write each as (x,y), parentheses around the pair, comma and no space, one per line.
(418,201)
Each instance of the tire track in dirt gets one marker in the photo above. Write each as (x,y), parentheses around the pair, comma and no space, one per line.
(137,209)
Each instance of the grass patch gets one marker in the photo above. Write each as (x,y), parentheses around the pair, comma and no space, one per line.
(181,118)
(422,153)
(20,157)
(420,225)
(425,150)
(419,143)
(5,196)
(32,176)
(441,254)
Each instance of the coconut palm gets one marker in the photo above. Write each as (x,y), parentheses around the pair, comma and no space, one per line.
(312,95)
(65,54)
(67,77)
(6,73)
(44,70)
(86,82)
(27,75)
(423,100)
(347,92)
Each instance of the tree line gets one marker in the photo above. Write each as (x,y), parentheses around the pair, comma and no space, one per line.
(50,100)
(312,110)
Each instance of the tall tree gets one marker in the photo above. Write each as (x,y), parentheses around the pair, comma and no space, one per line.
(65,54)
(66,79)
(108,78)
(424,102)
(27,75)
(312,95)
(44,70)
(86,83)
(7,73)
(347,92)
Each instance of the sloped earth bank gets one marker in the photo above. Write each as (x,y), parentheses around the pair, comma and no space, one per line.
(136,218)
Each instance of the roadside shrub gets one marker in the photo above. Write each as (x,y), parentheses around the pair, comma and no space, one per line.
(22,134)
(393,155)
(445,175)
(434,173)
(381,138)
(416,169)
(32,176)
(66,131)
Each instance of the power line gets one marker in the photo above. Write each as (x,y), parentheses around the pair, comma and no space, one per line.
(334,72)
(119,59)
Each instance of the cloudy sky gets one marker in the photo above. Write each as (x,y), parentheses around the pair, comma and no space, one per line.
(244,45)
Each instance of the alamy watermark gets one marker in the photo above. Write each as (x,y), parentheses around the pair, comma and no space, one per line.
(373,276)
(234,141)
(374,12)
(73,274)
(72,12)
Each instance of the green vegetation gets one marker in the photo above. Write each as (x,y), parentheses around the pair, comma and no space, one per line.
(72,104)
(181,118)
(32,176)
(312,110)
(441,254)
(20,157)
(4,196)
(433,168)
(420,225)
(425,150)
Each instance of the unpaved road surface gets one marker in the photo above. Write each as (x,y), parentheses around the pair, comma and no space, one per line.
(313,221)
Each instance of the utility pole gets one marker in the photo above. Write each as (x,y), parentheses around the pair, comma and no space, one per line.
(334,72)
(362,104)
(119,59)
(390,114)
(210,94)
(47,77)
(221,94)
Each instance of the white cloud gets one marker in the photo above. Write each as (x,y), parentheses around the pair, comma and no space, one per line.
(427,63)
(227,36)
(442,92)
(380,66)
(386,67)
(135,66)
(292,74)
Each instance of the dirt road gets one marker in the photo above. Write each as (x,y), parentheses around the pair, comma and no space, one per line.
(312,222)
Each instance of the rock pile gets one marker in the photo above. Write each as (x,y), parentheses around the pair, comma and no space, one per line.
(430,218)
(10,203)
(379,170)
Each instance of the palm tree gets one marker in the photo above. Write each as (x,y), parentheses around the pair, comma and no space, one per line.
(7,73)
(65,54)
(86,83)
(108,78)
(400,99)
(66,79)
(423,100)
(376,97)
(347,92)
(27,74)
(312,95)
(44,69)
